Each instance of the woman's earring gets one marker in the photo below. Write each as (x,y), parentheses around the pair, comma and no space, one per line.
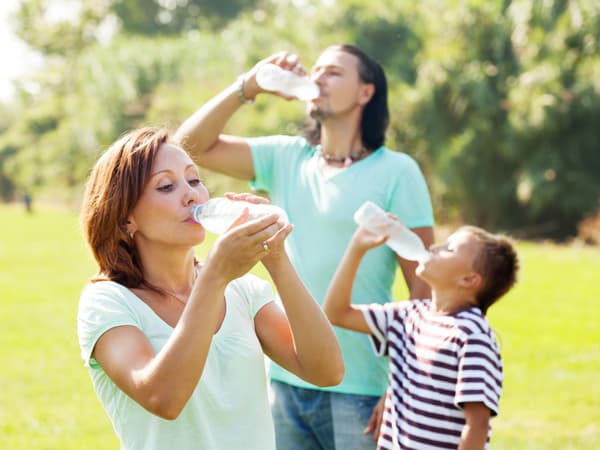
(131,233)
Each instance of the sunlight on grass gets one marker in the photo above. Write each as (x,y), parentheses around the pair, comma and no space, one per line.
(549,333)
(547,327)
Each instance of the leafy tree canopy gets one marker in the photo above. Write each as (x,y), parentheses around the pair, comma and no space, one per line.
(498,101)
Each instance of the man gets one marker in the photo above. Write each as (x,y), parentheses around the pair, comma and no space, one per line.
(320,180)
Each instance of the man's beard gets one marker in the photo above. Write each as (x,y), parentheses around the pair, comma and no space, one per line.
(318,114)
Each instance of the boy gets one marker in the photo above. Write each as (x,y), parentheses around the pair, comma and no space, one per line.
(445,367)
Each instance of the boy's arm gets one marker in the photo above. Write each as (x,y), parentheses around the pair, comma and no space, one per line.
(337,305)
(475,431)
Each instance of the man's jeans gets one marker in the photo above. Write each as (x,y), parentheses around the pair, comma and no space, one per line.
(310,419)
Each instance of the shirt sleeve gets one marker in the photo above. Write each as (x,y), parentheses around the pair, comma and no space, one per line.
(479,372)
(102,306)
(410,200)
(256,291)
(262,150)
(270,156)
(378,317)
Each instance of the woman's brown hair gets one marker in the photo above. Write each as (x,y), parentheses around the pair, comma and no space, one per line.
(113,189)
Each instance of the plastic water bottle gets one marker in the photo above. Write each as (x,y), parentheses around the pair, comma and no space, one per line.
(217,214)
(271,77)
(400,238)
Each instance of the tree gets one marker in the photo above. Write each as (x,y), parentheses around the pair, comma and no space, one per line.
(497,100)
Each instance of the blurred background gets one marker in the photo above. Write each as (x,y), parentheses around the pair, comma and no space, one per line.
(498,100)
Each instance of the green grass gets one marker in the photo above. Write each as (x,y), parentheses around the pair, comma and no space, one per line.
(549,332)
(547,326)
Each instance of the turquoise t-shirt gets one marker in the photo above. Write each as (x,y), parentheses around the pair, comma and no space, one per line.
(229,407)
(321,209)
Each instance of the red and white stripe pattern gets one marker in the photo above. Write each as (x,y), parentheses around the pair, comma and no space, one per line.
(437,363)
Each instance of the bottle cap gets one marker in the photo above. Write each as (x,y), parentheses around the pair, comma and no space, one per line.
(196,211)
(307,91)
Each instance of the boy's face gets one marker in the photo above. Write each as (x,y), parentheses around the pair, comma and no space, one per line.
(451,263)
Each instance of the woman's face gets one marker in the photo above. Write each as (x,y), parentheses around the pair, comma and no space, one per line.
(162,214)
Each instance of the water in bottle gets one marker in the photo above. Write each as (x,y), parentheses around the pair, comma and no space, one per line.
(273,78)
(217,214)
(400,238)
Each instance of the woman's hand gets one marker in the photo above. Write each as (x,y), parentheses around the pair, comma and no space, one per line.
(276,246)
(276,243)
(235,252)
(247,197)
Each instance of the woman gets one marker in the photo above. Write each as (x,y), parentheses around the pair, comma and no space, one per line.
(174,347)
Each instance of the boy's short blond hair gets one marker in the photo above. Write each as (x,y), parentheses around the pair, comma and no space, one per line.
(497,263)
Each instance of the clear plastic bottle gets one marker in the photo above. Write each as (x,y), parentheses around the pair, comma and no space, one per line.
(273,78)
(400,238)
(217,214)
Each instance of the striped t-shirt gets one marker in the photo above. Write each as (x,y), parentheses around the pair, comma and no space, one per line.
(437,363)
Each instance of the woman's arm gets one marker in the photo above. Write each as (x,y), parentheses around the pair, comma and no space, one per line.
(300,339)
(163,382)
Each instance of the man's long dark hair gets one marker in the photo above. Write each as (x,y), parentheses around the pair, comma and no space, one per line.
(376,116)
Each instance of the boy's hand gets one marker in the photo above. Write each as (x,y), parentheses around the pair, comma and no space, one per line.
(364,239)
(374,425)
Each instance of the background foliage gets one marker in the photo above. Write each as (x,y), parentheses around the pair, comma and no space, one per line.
(498,100)
(548,330)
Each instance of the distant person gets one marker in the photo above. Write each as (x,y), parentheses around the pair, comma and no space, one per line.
(27,201)
(175,347)
(445,366)
(321,180)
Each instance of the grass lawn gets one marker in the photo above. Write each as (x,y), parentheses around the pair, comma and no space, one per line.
(548,328)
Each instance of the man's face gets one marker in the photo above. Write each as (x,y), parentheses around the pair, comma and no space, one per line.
(336,73)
